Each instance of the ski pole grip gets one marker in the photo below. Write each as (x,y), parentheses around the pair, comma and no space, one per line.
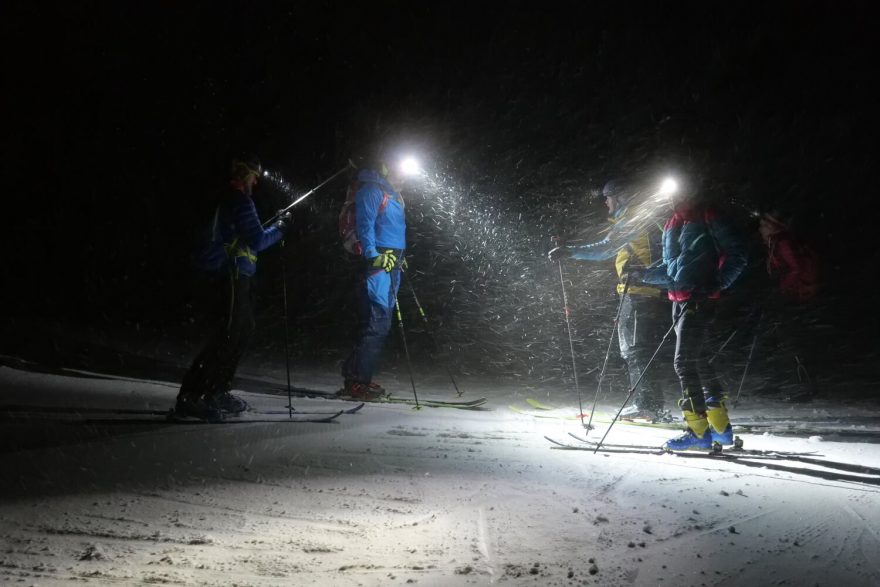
(557,241)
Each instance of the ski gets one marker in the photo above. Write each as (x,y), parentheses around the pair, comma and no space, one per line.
(171,420)
(538,405)
(768,461)
(427,402)
(737,450)
(599,418)
(540,415)
(792,427)
(19,410)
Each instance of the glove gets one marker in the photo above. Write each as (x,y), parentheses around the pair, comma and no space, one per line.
(559,253)
(285,220)
(386,261)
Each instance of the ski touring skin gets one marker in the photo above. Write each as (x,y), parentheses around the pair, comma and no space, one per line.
(473,404)
(835,470)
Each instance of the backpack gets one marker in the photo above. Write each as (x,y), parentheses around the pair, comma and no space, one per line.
(348,219)
(797,269)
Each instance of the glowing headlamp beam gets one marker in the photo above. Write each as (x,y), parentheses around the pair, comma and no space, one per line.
(668,187)
(410,166)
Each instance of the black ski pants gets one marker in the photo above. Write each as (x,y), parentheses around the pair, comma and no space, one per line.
(694,321)
(214,368)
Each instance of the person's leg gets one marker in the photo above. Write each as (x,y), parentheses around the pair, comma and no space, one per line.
(638,335)
(240,329)
(362,304)
(201,378)
(690,331)
(715,398)
(376,306)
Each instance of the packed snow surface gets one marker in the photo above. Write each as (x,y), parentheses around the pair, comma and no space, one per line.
(397,496)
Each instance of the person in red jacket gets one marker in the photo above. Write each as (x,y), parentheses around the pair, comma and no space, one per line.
(793,267)
(792,264)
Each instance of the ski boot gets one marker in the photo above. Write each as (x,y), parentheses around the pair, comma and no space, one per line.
(226,402)
(196,407)
(367,392)
(719,422)
(697,435)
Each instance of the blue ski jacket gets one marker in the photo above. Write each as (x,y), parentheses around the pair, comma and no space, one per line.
(380,215)
(242,233)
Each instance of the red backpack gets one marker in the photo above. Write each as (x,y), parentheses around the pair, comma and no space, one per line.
(796,265)
(348,219)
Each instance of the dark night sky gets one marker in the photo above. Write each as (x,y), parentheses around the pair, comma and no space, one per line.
(120,119)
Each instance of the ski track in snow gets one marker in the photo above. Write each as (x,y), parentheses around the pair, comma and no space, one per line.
(393,496)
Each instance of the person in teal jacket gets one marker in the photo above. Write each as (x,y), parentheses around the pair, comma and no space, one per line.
(381,230)
(703,255)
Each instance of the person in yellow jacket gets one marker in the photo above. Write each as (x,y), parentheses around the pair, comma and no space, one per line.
(634,242)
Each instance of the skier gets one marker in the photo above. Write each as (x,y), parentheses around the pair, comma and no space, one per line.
(380,229)
(634,243)
(205,391)
(703,255)
(793,266)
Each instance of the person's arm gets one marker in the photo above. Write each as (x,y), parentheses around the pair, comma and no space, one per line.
(620,235)
(366,205)
(598,251)
(732,249)
(657,274)
(248,226)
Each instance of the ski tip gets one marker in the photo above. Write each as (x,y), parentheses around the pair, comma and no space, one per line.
(536,404)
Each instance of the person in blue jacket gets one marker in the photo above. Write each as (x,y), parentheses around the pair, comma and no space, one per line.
(381,230)
(205,391)
(633,241)
(703,255)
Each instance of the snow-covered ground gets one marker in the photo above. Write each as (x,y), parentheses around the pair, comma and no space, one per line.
(395,496)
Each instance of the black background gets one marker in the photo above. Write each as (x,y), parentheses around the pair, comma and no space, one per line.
(120,119)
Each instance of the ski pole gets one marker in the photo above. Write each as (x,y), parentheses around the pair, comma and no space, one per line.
(639,380)
(589,425)
(723,346)
(412,379)
(431,334)
(286,331)
(746,369)
(749,358)
(558,242)
(283,211)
